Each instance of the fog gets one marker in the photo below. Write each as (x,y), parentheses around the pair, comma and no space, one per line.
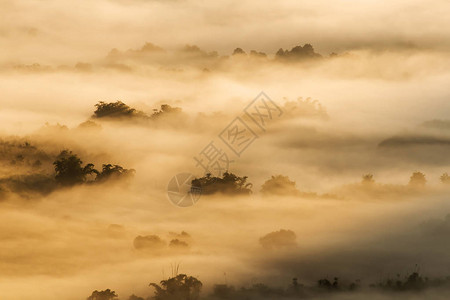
(360,89)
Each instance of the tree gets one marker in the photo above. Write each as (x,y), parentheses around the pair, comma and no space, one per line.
(278,239)
(327,285)
(298,53)
(445,178)
(279,185)
(178,244)
(367,179)
(280,52)
(69,169)
(258,54)
(417,179)
(180,287)
(166,110)
(228,184)
(238,51)
(116,109)
(110,171)
(102,295)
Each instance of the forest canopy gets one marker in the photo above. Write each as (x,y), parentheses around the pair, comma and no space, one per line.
(229,183)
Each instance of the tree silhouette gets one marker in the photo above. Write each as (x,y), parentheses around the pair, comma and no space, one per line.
(324,284)
(298,53)
(278,239)
(183,287)
(367,179)
(412,282)
(445,178)
(180,287)
(228,184)
(279,185)
(120,110)
(116,109)
(110,171)
(69,169)
(102,295)
(238,51)
(417,179)
(165,110)
(255,53)
(178,244)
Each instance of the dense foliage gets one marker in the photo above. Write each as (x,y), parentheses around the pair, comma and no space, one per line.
(229,183)
(69,170)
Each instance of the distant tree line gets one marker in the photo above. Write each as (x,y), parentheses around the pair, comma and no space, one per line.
(280,185)
(417,179)
(298,52)
(184,287)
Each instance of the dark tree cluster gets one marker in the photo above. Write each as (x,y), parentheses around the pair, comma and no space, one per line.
(417,179)
(253,53)
(184,287)
(326,284)
(110,171)
(116,109)
(166,109)
(412,282)
(229,183)
(154,242)
(367,179)
(70,171)
(298,53)
(102,295)
(119,110)
(180,287)
(147,48)
(445,178)
(195,52)
(190,54)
